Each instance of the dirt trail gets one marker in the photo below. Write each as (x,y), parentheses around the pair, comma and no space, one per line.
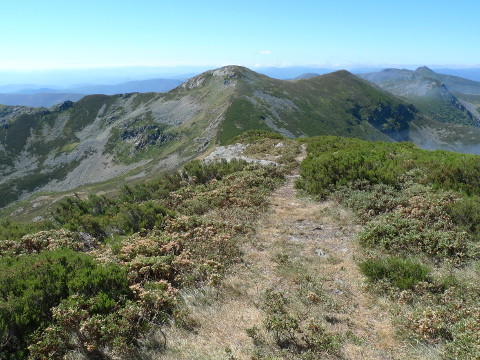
(323,233)
(297,237)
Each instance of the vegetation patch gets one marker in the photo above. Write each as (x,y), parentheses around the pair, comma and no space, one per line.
(105,272)
(240,117)
(403,274)
(413,203)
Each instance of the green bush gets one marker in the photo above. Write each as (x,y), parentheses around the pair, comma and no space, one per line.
(13,231)
(334,161)
(135,217)
(396,233)
(369,200)
(403,274)
(90,215)
(310,338)
(31,285)
(201,173)
(158,188)
(466,214)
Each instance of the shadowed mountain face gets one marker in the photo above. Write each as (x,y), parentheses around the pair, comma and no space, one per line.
(101,137)
(436,95)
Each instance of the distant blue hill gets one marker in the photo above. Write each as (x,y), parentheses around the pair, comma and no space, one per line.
(153,85)
(471,74)
(35,96)
(38,100)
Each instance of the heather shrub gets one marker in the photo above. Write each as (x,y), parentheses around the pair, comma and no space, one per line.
(146,215)
(13,230)
(334,161)
(403,274)
(466,214)
(369,201)
(31,285)
(201,173)
(307,338)
(395,233)
(47,240)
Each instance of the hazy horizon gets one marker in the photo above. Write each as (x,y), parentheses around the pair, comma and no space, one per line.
(62,78)
(57,35)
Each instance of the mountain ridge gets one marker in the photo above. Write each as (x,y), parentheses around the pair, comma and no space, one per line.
(100,137)
(428,91)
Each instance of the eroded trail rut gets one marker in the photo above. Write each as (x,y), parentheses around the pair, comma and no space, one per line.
(298,238)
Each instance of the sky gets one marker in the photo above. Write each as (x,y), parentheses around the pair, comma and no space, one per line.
(51,34)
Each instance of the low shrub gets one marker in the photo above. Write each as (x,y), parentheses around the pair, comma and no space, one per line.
(31,285)
(201,173)
(334,161)
(396,233)
(466,214)
(369,201)
(309,338)
(403,274)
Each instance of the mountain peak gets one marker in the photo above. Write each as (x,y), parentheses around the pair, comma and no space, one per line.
(425,70)
(228,75)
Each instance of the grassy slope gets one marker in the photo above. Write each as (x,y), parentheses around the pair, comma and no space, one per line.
(337,103)
(426,91)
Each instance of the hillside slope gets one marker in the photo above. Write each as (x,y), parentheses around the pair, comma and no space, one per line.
(224,260)
(430,92)
(103,137)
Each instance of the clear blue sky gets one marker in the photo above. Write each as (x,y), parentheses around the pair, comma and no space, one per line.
(329,33)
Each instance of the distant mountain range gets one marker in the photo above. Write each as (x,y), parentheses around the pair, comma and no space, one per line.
(38,100)
(52,95)
(102,138)
(32,95)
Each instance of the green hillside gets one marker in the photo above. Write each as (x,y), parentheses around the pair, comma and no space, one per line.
(109,138)
(454,83)
(429,93)
(337,103)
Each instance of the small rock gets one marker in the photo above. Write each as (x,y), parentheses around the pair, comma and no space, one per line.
(321,253)
(279,145)
(332,319)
